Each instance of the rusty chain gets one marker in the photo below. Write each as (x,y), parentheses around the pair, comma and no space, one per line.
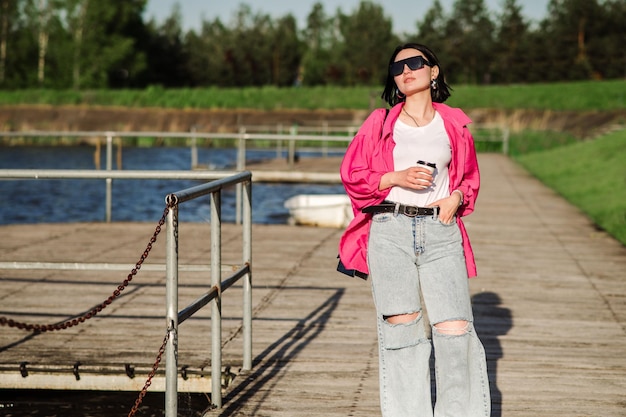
(38,328)
(151,375)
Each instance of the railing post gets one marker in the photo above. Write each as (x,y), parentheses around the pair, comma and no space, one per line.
(241,149)
(241,165)
(171,314)
(118,161)
(216,303)
(247,279)
(279,143)
(96,155)
(194,148)
(109,181)
(292,146)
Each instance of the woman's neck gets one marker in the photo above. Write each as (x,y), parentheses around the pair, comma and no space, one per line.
(421,112)
(419,105)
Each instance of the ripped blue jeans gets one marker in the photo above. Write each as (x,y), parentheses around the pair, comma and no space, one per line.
(408,256)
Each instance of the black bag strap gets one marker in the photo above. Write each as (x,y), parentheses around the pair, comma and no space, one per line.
(350,272)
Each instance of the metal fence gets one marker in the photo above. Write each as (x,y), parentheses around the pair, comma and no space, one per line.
(341,136)
(241,138)
(291,139)
(218,286)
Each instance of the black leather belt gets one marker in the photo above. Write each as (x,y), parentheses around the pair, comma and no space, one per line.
(410,211)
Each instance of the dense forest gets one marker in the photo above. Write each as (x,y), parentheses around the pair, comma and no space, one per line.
(87,44)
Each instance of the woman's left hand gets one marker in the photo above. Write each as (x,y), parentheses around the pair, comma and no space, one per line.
(447,207)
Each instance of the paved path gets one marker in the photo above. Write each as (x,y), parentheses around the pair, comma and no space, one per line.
(550,305)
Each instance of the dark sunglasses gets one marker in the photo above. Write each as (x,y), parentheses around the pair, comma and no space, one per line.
(414,63)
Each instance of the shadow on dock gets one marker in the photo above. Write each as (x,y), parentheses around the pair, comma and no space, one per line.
(491,321)
(272,362)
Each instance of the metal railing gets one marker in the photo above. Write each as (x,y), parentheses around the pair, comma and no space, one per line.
(193,137)
(497,134)
(174,317)
(240,138)
(214,296)
(259,176)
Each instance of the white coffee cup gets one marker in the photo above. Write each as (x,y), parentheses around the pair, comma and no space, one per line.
(430,166)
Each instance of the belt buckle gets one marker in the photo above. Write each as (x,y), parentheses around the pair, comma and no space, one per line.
(411,211)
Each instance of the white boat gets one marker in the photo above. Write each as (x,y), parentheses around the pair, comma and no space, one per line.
(324,210)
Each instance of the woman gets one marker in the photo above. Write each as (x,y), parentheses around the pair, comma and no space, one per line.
(407,235)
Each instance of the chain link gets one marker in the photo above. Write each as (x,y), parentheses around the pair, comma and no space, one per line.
(40,328)
(151,375)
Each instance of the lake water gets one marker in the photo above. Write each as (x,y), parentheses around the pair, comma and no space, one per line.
(54,200)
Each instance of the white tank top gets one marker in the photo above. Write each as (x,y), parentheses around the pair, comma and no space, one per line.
(428,143)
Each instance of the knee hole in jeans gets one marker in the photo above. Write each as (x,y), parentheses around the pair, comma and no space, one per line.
(401,318)
(401,331)
(452,327)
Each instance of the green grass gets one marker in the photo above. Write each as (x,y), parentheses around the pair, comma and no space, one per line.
(584,95)
(528,141)
(266,98)
(591,175)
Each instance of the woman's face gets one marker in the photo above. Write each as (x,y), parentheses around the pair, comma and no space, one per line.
(411,81)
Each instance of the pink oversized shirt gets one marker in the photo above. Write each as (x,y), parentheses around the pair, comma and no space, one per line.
(370,155)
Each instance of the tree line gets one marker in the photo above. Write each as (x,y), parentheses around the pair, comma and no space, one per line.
(88,44)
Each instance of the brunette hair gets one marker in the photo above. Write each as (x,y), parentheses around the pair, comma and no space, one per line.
(439,94)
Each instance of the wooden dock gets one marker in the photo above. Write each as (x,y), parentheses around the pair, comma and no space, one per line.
(550,306)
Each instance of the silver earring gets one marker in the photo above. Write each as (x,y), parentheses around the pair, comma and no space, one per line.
(433,83)
(399,94)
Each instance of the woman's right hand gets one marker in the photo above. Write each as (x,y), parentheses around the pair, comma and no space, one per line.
(414,178)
